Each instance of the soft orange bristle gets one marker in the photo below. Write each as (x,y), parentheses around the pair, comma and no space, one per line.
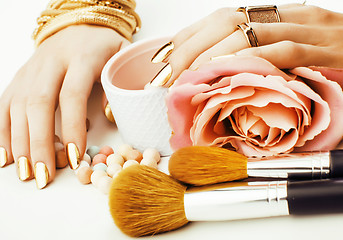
(145,201)
(198,165)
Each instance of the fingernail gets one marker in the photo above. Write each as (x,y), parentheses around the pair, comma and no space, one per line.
(108,113)
(162,78)
(223,57)
(163,53)
(3,157)
(41,175)
(24,168)
(73,155)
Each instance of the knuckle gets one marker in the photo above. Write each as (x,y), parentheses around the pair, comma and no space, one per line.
(256,51)
(39,142)
(17,102)
(322,15)
(18,139)
(223,15)
(38,101)
(293,49)
(70,94)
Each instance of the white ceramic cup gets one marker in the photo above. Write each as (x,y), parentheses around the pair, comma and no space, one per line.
(140,114)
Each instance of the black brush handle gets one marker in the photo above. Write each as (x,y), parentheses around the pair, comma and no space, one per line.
(336,163)
(315,196)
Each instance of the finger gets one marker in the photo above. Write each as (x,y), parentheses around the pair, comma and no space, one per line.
(5,131)
(40,110)
(287,12)
(182,57)
(310,15)
(235,42)
(75,90)
(20,137)
(266,33)
(274,32)
(287,54)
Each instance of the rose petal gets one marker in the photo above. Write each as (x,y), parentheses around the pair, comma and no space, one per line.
(331,93)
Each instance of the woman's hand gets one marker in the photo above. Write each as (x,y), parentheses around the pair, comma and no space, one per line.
(306,36)
(62,71)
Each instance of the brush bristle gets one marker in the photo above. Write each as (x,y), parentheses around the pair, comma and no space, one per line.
(198,165)
(144,201)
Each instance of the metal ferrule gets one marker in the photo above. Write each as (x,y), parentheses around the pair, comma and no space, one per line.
(304,165)
(241,200)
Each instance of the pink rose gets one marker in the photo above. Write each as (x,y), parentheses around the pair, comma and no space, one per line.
(249,104)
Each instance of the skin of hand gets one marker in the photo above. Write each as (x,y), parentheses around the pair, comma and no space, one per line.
(61,72)
(306,36)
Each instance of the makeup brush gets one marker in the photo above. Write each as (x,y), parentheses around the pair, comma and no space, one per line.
(200,165)
(145,201)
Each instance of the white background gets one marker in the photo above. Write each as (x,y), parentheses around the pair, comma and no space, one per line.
(68,210)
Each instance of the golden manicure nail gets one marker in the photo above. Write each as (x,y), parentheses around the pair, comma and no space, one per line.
(163,53)
(162,78)
(108,113)
(3,157)
(24,168)
(41,175)
(73,155)
(223,57)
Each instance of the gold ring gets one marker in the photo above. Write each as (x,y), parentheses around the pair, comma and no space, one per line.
(261,14)
(249,34)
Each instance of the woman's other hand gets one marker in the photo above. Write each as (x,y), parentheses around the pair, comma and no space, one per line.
(61,72)
(306,35)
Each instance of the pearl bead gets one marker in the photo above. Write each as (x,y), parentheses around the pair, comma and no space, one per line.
(134,155)
(115,158)
(61,159)
(100,166)
(149,162)
(96,175)
(87,158)
(124,149)
(92,151)
(129,163)
(113,168)
(59,146)
(152,153)
(107,150)
(99,158)
(84,174)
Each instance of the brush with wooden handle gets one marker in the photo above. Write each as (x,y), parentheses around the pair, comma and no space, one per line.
(199,165)
(145,201)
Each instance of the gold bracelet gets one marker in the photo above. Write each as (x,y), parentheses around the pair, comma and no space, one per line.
(62,21)
(130,19)
(62,13)
(73,4)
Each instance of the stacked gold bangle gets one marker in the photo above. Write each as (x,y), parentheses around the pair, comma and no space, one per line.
(118,15)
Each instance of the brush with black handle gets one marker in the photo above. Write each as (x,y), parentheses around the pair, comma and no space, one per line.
(145,201)
(200,165)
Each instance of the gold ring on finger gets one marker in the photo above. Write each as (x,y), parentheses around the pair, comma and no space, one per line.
(249,34)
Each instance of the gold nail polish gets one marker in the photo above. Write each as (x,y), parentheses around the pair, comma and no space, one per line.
(163,53)
(41,175)
(108,113)
(3,157)
(73,155)
(24,168)
(162,77)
